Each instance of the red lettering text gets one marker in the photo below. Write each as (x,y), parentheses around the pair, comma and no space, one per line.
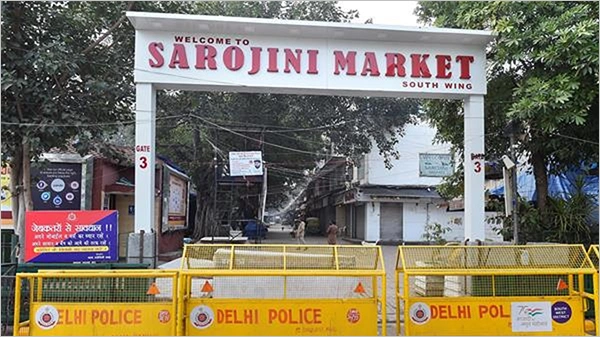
(158,60)
(395,61)
(179,57)
(293,60)
(273,60)
(465,66)
(450,311)
(342,62)
(205,54)
(142,148)
(255,60)
(370,65)
(419,65)
(443,64)
(493,311)
(312,61)
(229,55)
(290,316)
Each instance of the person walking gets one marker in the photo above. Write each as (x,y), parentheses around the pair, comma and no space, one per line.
(332,232)
(300,232)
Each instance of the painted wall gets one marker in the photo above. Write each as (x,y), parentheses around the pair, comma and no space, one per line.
(416,217)
(405,171)
(456,223)
(105,174)
(372,215)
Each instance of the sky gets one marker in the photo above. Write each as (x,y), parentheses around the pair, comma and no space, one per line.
(384,12)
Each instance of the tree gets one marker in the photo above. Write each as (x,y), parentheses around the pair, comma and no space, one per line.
(542,73)
(296,130)
(66,80)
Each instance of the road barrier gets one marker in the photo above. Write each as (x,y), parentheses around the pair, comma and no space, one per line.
(220,290)
(493,290)
(592,316)
(93,302)
(264,290)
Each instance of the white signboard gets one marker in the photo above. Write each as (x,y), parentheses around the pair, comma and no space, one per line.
(531,316)
(213,54)
(246,163)
(435,165)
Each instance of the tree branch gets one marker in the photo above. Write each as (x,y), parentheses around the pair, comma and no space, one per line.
(110,30)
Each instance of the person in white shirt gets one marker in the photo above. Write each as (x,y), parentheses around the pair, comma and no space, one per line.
(300,232)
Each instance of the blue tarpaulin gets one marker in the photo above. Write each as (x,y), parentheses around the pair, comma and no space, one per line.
(559,186)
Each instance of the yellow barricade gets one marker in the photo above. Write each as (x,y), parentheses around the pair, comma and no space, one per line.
(594,254)
(93,303)
(262,290)
(493,290)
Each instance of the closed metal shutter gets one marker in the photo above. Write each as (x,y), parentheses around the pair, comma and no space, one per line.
(391,221)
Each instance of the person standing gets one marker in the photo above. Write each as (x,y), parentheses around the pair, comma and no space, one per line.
(332,232)
(300,231)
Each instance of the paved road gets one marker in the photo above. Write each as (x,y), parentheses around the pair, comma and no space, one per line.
(278,236)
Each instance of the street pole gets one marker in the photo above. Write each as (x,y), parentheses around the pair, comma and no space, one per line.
(515,216)
(216,187)
(263,193)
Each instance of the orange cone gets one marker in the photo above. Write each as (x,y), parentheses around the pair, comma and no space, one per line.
(207,288)
(359,288)
(561,285)
(153,290)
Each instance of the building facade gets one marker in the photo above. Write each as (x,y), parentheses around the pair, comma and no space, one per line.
(373,203)
(107,182)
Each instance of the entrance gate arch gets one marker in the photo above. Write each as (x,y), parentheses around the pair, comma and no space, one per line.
(210,53)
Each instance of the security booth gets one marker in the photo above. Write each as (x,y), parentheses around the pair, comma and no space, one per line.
(281,290)
(493,290)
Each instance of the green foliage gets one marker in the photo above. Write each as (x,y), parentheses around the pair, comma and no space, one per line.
(47,79)
(434,233)
(571,216)
(542,72)
(61,80)
(568,219)
(532,227)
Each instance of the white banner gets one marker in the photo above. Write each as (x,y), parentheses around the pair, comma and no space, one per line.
(246,163)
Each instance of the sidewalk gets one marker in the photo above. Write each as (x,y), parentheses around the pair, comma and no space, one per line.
(277,235)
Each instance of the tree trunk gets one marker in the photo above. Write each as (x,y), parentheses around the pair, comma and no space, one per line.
(27,175)
(538,160)
(16,171)
(204,203)
(199,223)
(20,189)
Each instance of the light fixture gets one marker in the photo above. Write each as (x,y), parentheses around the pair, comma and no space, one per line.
(508,163)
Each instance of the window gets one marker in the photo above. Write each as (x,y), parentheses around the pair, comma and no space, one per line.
(360,169)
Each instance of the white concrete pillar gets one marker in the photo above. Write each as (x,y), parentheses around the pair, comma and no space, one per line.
(474,193)
(372,221)
(145,156)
